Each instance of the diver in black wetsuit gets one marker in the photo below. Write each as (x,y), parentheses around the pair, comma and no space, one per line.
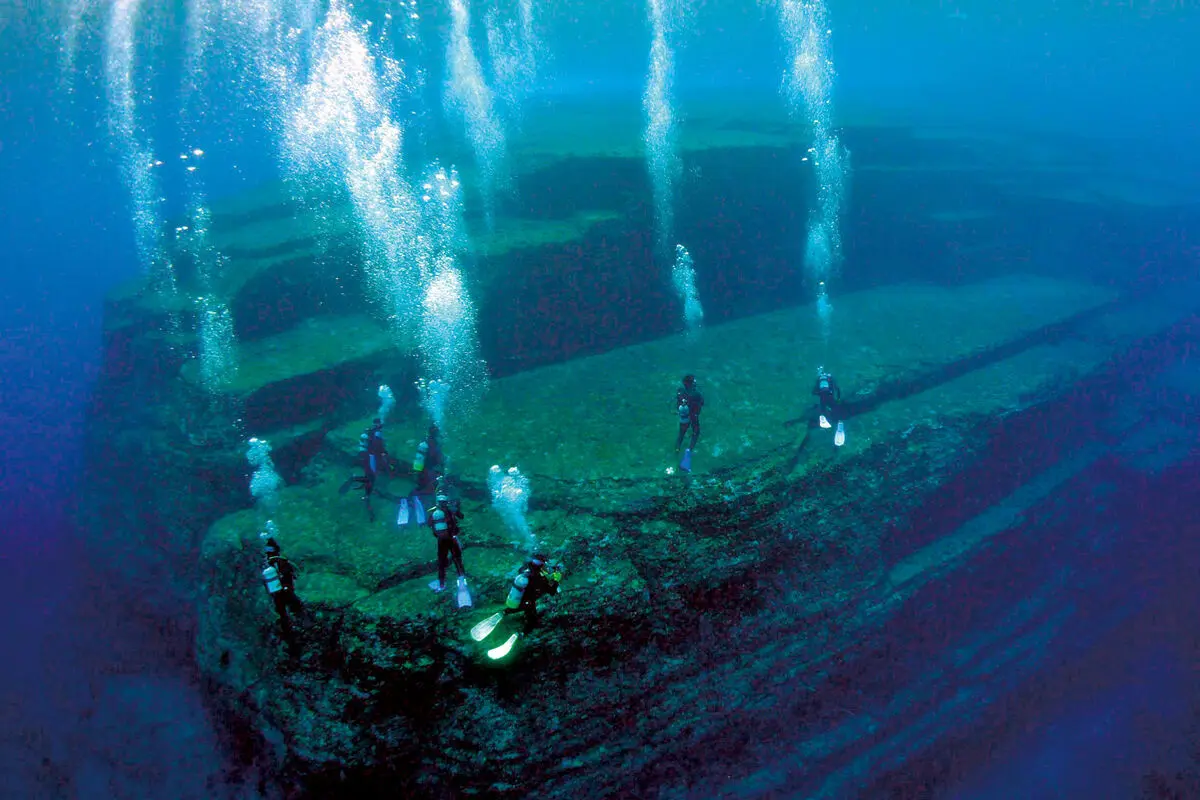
(279,576)
(688,402)
(829,399)
(532,584)
(429,463)
(443,521)
(373,452)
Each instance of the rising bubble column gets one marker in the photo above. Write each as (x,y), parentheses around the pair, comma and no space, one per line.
(660,135)
(683,276)
(339,127)
(662,160)
(513,53)
(469,97)
(214,321)
(134,153)
(808,86)
(453,374)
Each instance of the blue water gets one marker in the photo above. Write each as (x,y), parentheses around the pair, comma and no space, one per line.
(97,696)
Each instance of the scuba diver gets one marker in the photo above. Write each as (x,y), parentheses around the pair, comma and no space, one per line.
(372,450)
(443,521)
(688,403)
(427,466)
(829,399)
(279,576)
(534,582)
(429,462)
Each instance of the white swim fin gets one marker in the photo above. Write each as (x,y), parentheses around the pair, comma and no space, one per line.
(484,629)
(839,438)
(504,649)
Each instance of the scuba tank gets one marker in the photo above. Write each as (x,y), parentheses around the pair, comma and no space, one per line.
(419,458)
(685,413)
(271,578)
(441,525)
(520,583)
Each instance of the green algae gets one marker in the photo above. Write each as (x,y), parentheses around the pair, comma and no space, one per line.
(513,234)
(275,228)
(586,487)
(568,130)
(656,561)
(315,345)
(758,374)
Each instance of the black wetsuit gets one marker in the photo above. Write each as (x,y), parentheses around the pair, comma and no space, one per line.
(285,599)
(373,457)
(445,529)
(539,586)
(688,396)
(427,478)
(829,398)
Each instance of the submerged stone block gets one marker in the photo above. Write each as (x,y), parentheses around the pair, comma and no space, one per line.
(679,590)
(700,614)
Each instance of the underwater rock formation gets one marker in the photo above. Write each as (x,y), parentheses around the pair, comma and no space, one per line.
(700,614)
(680,589)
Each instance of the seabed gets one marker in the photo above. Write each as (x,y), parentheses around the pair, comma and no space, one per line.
(702,615)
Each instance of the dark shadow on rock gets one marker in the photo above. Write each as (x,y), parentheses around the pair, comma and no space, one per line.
(420,569)
(925,381)
(291,456)
(1025,444)
(297,400)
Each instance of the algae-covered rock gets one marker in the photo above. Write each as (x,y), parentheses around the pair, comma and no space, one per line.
(686,596)
(672,580)
(689,600)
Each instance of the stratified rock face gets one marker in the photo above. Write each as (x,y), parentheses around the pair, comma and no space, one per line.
(691,603)
(688,599)
(166,456)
